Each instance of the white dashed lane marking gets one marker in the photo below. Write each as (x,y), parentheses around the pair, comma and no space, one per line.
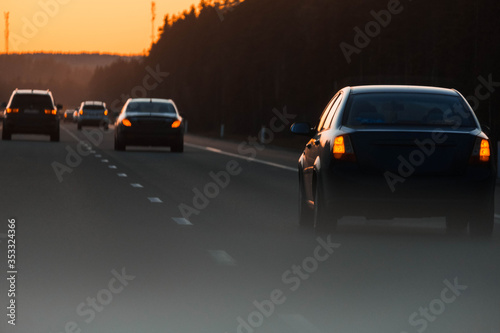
(136,185)
(221,257)
(98,155)
(104,161)
(155,200)
(121,174)
(112,167)
(181,221)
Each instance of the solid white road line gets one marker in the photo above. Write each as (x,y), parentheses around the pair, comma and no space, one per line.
(155,200)
(246,158)
(181,221)
(221,257)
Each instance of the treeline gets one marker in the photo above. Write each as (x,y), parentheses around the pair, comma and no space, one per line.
(66,75)
(233,63)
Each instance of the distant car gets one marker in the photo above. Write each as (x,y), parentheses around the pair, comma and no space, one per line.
(75,116)
(93,113)
(397,151)
(149,122)
(31,111)
(68,115)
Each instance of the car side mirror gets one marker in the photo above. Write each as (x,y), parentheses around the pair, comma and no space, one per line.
(302,129)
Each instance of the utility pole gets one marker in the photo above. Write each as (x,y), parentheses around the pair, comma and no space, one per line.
(153,16)
(6,16)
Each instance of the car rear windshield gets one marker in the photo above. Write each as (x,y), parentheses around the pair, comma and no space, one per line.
(150,107)
(407,109)
(94,107)
(28,101)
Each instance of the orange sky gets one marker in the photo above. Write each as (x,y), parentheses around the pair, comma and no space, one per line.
(107,26)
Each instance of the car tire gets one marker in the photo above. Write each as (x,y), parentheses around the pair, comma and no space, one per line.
(482,221)
(79,126)
(119,144)
(178,147)
(106,127)
(325,219)
(6,135)
(306,214)
(55,136)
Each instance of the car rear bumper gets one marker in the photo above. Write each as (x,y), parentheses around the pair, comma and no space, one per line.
(92,121)
(31,125)
(371,195)
(158,137)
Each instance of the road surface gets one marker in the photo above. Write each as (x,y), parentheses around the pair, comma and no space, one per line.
(207,241)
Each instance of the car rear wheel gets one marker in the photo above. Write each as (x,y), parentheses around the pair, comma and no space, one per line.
(55,136)
(306,214)
(119,144)
(6,135)
(178,147)
(325,219)
(482,221)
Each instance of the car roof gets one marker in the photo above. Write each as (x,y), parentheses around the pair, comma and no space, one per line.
(32,91)
(93,103)
(150,100)
(401,89)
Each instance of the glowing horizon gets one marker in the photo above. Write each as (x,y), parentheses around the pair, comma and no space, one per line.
(74,26)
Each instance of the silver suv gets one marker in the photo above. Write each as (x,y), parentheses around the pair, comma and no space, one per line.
(93,113)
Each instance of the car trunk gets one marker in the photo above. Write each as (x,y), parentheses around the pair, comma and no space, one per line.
(415,152)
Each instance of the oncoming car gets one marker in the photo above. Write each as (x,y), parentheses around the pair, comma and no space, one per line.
(31,111)
(397,151)
(92,113)
(149,122)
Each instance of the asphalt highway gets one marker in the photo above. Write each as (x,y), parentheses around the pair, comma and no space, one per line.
(149,241)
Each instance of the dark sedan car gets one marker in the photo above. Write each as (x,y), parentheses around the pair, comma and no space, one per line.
(397,151)
(149,122)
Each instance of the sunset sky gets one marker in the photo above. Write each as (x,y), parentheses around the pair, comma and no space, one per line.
(107,26)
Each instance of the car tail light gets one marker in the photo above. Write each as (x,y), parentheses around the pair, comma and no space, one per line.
(176,124)
(126,122)
(105,112)
(81,112)
(50,111)
(342,148)
(10,110)
(481,152)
